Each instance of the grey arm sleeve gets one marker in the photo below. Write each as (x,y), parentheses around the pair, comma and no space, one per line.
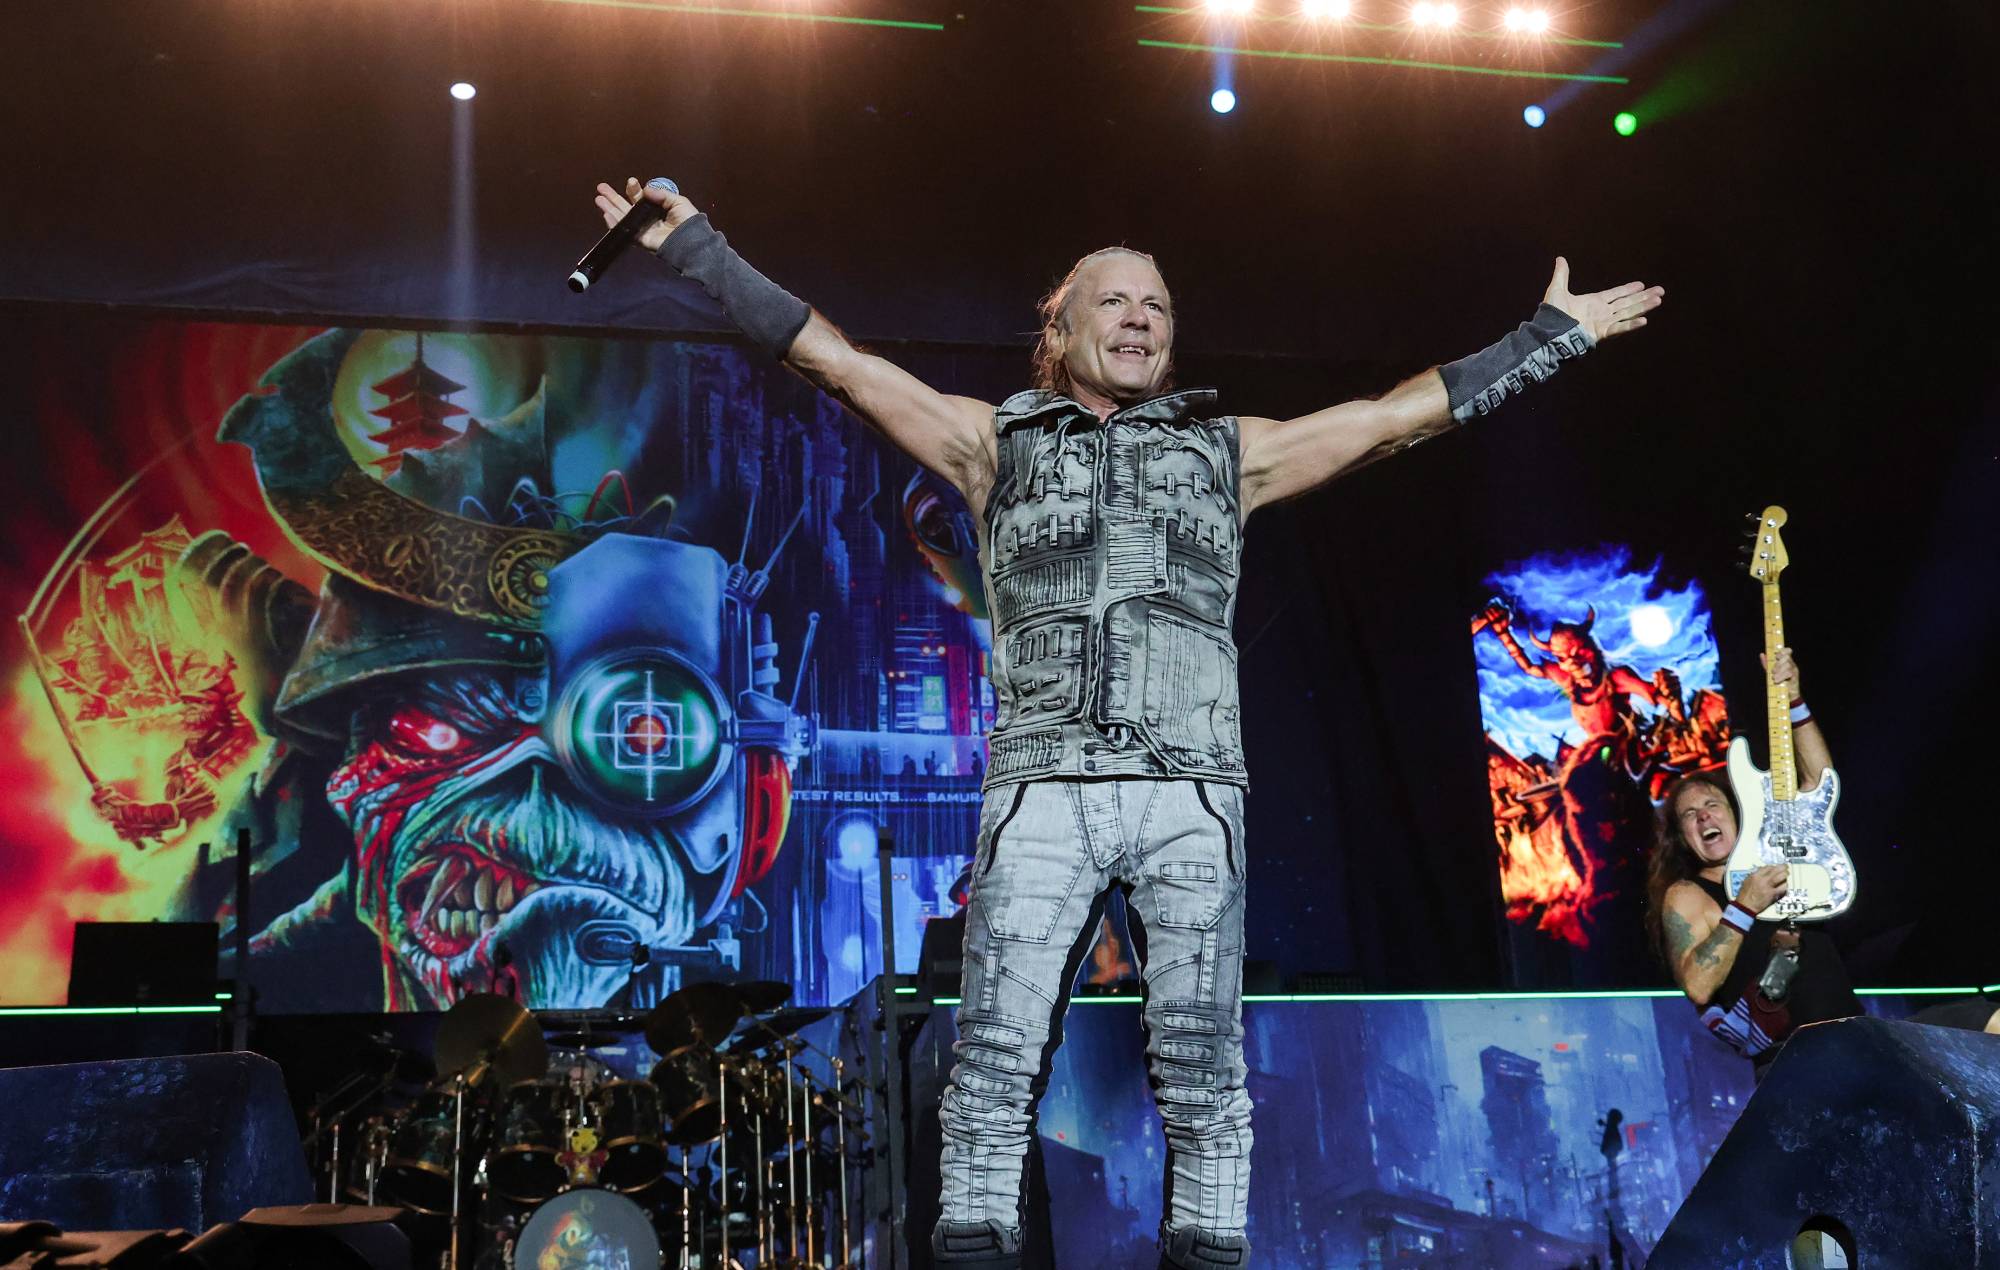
(766,312)
(1479,383)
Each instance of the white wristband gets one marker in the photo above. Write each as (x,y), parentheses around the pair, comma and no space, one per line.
(1738,916)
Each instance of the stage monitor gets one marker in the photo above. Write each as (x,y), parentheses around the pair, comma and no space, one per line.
(143,963)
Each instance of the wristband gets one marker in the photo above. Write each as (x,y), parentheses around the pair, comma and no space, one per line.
(1476,385)
(1801,714)
(1738,916)
(770,315)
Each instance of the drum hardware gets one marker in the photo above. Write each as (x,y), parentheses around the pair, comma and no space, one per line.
(482,1034)
(507,1131)
(812,1196)
(722,1222)
(687,1193)
(791,1158)
(333,1181)
(840,1146)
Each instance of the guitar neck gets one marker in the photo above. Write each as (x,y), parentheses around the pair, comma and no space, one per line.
(1778,702)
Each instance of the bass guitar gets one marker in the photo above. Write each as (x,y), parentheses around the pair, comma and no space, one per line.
(1780,823)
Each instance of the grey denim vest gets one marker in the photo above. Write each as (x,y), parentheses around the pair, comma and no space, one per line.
(1111,558)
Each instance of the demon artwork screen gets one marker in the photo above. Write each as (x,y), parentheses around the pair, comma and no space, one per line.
(1598,684)
(552,666)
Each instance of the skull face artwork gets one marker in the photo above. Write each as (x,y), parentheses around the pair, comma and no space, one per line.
(477,859)
(552,747)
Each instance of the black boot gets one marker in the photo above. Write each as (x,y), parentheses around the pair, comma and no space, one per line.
(983,1245)
(1192,1248)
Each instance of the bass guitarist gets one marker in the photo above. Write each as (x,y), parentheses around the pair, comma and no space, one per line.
(1754,982)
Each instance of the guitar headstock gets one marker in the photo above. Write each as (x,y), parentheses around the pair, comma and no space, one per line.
(1764,555)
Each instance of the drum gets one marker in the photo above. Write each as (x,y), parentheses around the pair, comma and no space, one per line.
(688,1080)
(694,1082)
(589,1227)
(580,1068)
(631,1128)
(371,1150)
(417,1172)
(527,1140)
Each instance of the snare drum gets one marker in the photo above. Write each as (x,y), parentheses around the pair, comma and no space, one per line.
(631,1127)
(587,1227)
(527,1140)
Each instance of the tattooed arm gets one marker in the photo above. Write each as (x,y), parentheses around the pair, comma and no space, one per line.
(1701,947)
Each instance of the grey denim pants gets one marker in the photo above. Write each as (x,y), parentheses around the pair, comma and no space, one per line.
(1048,852)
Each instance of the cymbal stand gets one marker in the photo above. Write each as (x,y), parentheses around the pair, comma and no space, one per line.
(687,1189)
(457,1155)
(376,1144)
(722,1172)
(763,1191)
(812,1196)
(333,1172)
(791,1163)
(840,1149)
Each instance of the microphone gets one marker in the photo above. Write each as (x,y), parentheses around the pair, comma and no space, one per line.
(599,258)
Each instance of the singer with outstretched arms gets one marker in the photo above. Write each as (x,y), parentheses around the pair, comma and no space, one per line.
(1110,512)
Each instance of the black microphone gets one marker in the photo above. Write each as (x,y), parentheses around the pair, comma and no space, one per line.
(629,226)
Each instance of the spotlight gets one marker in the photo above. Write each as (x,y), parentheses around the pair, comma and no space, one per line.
(1534,116)
(464,91)
(1222,101)
(1438,15)
(1626,123)
(1420,13)
(1447,15)
(1538,21)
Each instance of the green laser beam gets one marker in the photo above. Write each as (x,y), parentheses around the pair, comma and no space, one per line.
(1294,56)
(1348,24)
(779,15)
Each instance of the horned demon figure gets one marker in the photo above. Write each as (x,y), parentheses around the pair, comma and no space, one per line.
(513,749)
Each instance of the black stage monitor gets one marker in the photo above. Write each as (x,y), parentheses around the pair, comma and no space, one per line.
(143,963)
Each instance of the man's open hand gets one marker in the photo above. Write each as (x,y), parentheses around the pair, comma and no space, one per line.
(1602,314)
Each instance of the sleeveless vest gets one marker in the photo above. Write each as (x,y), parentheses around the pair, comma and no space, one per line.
(1111,552)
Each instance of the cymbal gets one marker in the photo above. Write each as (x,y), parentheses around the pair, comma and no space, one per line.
(759,995)
(586,1032)
(776,1027)
(488,1036)
(700,1013)
(581,1040)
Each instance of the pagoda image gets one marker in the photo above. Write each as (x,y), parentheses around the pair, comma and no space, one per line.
(416,411)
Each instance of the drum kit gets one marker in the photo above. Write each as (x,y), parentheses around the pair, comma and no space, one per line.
(529,1151)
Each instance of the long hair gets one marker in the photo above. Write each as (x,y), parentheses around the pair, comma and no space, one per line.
(1049,370)
(1673,859)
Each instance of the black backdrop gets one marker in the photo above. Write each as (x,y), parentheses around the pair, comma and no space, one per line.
(1821,216)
